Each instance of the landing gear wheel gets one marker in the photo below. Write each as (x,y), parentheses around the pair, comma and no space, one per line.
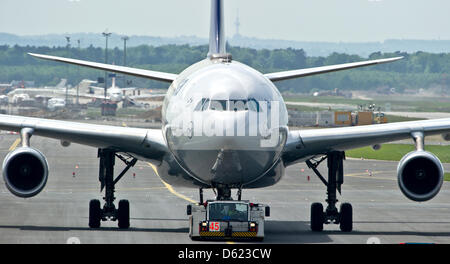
(123,214)
(317,217)
(346,217)
(95,214)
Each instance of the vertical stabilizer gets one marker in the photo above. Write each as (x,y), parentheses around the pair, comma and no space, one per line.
(217,40)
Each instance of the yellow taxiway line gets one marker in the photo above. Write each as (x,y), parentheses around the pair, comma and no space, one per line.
(15,144)
(170,188)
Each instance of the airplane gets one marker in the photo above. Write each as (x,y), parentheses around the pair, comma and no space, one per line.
(117,94)
(59,90)
(224,127)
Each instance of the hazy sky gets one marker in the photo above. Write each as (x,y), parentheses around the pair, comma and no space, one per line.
(302,20)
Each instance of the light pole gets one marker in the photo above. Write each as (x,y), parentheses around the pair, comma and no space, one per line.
(125,39)
(68,42)
(78,71)
(106,35)
(67,87)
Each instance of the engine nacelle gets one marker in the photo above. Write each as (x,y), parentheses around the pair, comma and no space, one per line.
(420,175)
(25,171)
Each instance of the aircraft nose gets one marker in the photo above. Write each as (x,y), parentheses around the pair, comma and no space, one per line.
(227,150)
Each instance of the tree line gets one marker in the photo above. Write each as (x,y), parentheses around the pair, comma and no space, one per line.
(417,70)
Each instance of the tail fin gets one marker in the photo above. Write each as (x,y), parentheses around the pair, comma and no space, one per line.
(62,83)
(217,40)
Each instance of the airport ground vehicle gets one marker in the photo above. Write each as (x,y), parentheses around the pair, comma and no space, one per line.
(55,104)
(227,220)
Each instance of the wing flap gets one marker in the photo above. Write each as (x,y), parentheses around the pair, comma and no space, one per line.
(154,75)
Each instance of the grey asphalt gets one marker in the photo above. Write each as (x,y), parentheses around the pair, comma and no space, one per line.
(60,212)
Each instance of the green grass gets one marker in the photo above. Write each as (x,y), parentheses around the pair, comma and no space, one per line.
(395,152)
(128,112)
(93,112)
(447,176)
(304,108)
(394,119)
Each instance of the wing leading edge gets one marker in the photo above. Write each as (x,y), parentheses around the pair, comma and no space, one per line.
(304,144)
(286,75)
(146,144)
(154,75)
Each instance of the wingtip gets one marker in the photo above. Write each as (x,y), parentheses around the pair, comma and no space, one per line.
(34,55)
(391,59)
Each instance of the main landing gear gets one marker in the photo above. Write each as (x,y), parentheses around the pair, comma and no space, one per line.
(106,178)
(343,217)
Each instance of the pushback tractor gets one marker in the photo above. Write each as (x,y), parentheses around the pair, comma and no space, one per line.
(230,220)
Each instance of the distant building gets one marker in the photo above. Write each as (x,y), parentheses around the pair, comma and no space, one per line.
(5,88)
(22,84)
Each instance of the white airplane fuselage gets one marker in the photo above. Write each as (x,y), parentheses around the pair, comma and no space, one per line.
(115,94)
(224,145)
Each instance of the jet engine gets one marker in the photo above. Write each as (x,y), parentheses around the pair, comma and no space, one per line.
(420,175)
(25,171)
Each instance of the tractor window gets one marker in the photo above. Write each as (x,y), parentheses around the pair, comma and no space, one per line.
(228,212)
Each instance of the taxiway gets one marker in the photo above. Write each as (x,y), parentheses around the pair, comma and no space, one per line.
(158,211)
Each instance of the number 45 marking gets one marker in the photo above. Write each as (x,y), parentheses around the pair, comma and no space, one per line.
(214,226)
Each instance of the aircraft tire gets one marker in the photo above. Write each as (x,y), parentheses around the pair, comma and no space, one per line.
(317,217)
(95,214)
(123,214)
(346,217)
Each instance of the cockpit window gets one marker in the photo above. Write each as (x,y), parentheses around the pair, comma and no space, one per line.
(225,105)
(238,105)
(218,105)
(200,105)
(253,105)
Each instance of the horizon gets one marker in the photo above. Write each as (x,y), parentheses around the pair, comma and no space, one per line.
(353,21)
(228,37)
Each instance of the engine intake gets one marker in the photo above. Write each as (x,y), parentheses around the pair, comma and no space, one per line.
(420,175)
(25,171)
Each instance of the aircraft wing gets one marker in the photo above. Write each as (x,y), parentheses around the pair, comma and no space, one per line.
(305,144)
(146,96)
(129,89)
(98,88)
(92,96)
(285,75)
(154,75)
(138,142)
